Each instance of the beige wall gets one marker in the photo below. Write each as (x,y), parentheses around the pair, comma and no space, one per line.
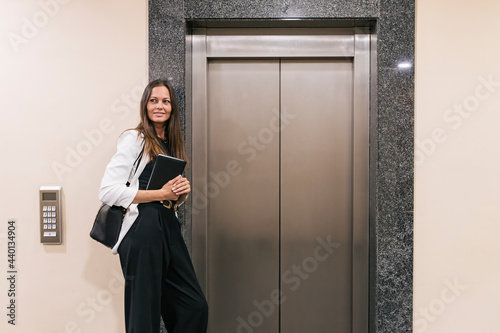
(457,183)
(68,87)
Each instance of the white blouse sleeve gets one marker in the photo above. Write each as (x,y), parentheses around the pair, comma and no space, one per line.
(113,190)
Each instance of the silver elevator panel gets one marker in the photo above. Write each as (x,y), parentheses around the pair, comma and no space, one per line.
(280,179)
(316,195)
(243,100)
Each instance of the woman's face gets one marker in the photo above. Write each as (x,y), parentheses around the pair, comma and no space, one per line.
(159,106)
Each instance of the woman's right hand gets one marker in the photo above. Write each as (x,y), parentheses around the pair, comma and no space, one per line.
(167,190)
(165,193)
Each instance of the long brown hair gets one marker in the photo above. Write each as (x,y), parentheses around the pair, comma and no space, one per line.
(173,130)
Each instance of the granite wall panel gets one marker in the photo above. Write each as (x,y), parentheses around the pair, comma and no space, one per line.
(392,112)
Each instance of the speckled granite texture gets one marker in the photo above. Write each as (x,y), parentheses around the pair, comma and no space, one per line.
(391,169)
(280,9)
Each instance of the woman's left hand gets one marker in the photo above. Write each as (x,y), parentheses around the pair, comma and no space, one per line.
(181,186)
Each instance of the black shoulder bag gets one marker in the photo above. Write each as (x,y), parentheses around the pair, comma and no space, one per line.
(109,219)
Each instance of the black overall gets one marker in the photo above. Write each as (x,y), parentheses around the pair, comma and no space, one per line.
(159,276)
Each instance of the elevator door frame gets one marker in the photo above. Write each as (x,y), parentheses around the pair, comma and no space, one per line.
(254,43)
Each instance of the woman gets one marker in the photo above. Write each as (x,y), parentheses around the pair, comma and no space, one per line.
(159,276)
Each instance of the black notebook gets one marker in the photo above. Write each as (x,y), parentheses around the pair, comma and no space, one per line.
(165,169)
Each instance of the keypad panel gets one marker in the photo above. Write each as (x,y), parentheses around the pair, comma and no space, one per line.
(49,220)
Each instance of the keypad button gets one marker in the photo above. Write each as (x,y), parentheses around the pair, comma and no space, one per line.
(44,208)
(53,208)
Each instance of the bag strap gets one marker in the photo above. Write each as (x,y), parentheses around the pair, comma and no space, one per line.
(136,165)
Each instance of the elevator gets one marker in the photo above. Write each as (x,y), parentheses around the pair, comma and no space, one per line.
(280,178)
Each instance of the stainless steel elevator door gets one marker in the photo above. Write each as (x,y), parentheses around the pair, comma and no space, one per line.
(316,195)
(243,191)
(279,188)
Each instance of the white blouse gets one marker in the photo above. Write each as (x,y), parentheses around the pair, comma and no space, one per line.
(113,190)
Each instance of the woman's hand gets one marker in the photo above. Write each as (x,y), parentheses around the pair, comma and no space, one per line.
(176,189)
(181,186)
(168,189)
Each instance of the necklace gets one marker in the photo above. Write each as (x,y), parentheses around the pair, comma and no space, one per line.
(165,141)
